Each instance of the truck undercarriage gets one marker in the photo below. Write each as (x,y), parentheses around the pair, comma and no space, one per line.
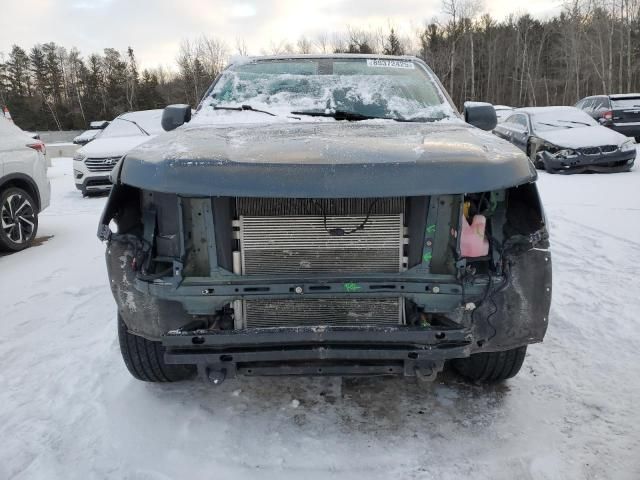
(327,286)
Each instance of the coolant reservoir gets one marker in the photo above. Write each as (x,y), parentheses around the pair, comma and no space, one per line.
(472,239)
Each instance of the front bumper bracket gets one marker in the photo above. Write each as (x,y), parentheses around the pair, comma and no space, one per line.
(317,351)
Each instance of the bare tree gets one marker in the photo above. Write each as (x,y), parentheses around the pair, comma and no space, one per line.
(241,47)
(278,48)
(213,54)
(304,45)
(322,42)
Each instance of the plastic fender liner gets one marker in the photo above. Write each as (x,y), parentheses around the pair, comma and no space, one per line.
(145,315)
(519,313)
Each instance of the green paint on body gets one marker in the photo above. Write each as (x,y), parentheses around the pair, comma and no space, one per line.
(352,287)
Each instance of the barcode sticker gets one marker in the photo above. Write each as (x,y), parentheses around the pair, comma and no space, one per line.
(379,62)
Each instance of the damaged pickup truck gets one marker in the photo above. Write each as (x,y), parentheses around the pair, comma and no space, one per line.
(327,215)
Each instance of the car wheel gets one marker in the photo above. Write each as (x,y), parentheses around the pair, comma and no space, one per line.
(491,367)
(537,162)
(535,158)
(145,359)
(18,219)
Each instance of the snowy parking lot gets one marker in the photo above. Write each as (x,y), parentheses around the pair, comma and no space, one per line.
(70,410)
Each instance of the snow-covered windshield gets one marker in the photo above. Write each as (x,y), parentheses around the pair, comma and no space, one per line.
(556,119)
(130,124)
(372,88)
(121,128)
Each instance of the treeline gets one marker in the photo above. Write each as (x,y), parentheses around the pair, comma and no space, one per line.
(50,88)
(592,47)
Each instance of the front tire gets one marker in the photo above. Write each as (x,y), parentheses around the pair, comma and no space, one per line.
(491,367)
(535,158)
(145,359)
(18,219)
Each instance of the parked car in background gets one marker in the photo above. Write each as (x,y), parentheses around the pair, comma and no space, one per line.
(24,188)
(86,136)
(314,218)
(566,139)
(93,163)
(502,112)
(618,112)
(95,129)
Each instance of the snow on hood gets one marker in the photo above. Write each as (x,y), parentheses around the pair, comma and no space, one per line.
(581,137)
(112,147)
(87,135)
(327,159)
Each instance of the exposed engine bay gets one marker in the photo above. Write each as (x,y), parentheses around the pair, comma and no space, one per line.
(184,269)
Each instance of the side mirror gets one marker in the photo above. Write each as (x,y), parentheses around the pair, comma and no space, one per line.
(481,115)
(175,115)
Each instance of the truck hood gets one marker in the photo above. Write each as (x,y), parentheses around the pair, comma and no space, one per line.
(581,137)
(112,146)
(333,159)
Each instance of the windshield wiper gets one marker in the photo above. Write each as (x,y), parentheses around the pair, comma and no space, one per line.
(341,115)
(552,125)
(419,119)
(242,108)
(577,123)
(354,116)
(136,124)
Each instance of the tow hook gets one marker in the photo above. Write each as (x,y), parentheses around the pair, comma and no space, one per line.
(215,376)
(427,371)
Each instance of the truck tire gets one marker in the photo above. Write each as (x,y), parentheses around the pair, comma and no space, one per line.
(145,359)
(17,208)
(491,367)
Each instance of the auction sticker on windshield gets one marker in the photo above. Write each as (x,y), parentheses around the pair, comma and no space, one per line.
(377,62)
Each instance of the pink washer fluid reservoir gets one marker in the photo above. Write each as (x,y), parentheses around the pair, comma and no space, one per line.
(472,238)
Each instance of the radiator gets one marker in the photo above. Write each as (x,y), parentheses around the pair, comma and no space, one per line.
(303,245)
(332,311)
(314,237)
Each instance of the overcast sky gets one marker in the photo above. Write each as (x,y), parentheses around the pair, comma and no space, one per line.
(154,28)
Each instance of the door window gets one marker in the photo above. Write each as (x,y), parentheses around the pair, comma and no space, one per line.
(520,120)
(599,104)
(588,105)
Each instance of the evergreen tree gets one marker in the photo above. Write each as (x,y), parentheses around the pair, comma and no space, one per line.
(53,70)
(149,97)
(115,78)
(19,87)
(18,73)
(132,80)
(94,89)
(393,45)
(39,78)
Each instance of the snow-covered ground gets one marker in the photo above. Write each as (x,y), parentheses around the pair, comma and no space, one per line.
(69,409)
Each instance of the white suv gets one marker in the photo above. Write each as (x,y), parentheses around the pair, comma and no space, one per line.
(93,163)
(24,188)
